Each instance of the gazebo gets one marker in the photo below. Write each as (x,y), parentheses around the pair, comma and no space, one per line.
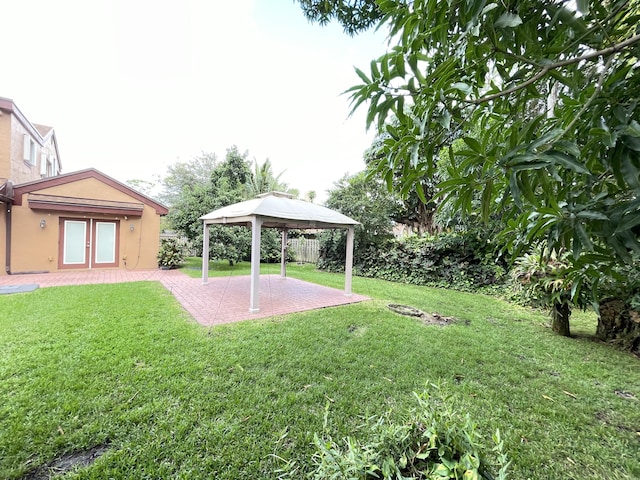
(281,211)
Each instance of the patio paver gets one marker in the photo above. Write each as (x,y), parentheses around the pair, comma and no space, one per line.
(222,300)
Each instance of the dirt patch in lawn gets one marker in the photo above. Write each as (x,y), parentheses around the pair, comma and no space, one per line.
(427,318)
(66,463)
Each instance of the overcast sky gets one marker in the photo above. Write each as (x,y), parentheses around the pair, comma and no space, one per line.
(132,86)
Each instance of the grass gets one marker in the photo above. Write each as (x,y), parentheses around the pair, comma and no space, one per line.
(125,366)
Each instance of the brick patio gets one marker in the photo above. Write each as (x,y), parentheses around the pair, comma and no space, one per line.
(223,300)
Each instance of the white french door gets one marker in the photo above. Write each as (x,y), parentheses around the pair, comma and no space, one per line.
(76,241)
(105,244)
(88,243)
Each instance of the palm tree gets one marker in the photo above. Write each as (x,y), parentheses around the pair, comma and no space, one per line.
(263,180)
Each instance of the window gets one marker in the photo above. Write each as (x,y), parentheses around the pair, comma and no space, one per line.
(30,150)
(44,167)
(47,166)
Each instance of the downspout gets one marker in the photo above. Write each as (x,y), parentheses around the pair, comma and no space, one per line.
(7,259)
(6,197)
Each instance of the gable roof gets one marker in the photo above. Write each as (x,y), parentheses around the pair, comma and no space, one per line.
(66,178)
(280,211)
(8,105)
(43,130)
(40,133)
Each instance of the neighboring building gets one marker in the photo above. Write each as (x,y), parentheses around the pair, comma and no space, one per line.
(80,220)
(27,151)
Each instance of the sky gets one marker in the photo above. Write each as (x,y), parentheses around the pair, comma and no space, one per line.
(133,86)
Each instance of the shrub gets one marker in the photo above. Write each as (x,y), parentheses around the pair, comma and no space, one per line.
(170,254)
(464,261)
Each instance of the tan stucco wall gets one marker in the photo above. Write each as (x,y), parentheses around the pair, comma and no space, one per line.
(37,249)
(88,188)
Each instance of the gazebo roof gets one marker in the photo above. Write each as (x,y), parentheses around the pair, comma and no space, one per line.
(279,210)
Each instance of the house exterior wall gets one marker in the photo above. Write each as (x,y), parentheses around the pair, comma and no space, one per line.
(48,152)
(3,237)
(5,146)
(22,171)
(87,188)
(13,128)
(35,249)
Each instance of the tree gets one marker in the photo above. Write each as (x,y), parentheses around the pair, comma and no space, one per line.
(354,15)
(263,180)
(143,186)
(311,196)
(563,173)
(185,176)
(205,184)
(201,193)
(367,201)
(417,214)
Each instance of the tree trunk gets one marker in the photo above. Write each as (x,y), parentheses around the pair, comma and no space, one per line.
(619,323)
(560,314)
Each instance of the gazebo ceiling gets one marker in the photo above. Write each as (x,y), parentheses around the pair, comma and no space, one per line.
(279,210)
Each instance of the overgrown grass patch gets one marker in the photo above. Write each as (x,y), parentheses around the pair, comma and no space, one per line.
(124,366)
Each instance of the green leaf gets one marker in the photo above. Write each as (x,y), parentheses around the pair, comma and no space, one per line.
(399,61)
(567,161)
(583,6)
(582,235)
(400,109)
(362,76)
(375,73)
(473,144)
(508,20)
(515,190)
(384,62)
(392,131)
(591,215)
(632,142)
(463,87)
(628,222)
(487,196)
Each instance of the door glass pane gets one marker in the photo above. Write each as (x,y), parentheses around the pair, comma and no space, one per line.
(105,242)
(75,236)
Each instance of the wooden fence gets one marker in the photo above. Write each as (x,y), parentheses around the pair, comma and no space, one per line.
(305,250)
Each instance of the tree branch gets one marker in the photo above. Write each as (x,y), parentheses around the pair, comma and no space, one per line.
(588,103)
(552,66)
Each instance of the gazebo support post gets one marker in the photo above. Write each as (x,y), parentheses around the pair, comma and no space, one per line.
(283,253)
(205,254)
(348,266)
(256,230)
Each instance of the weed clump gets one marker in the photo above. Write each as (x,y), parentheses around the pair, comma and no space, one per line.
(434,441)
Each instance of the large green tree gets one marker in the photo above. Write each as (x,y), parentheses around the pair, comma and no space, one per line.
(416,213)
(201,192)
(204,184)
(368,201)
(552,89)
(183,176)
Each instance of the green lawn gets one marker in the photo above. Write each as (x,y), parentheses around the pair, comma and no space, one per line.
(123,366)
